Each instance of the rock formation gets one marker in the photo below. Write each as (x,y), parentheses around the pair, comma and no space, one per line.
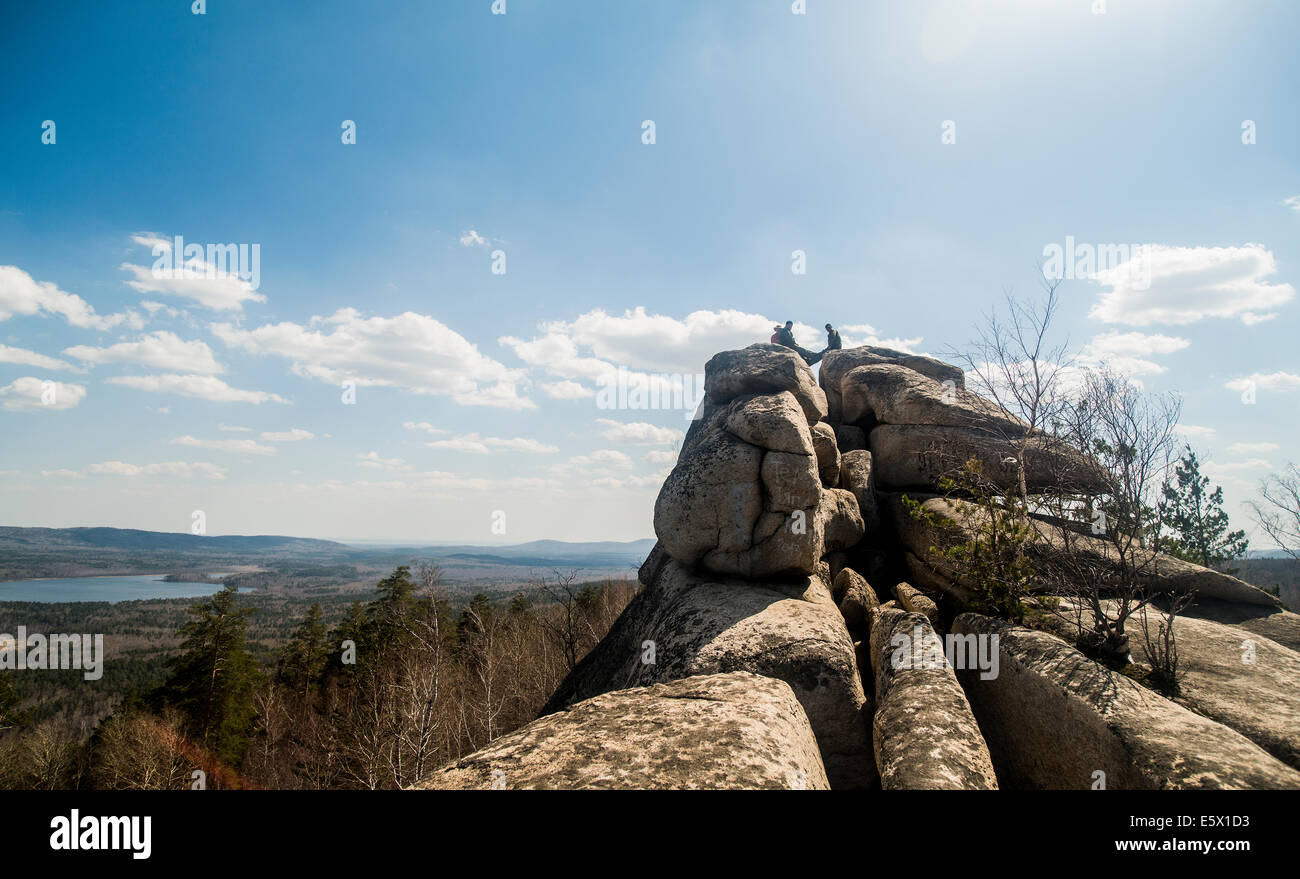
(758,652)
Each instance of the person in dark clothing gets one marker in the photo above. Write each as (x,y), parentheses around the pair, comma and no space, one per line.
(833,342)
(785,336)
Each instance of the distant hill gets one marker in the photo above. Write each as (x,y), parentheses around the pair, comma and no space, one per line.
(132,538)
(600,553)
(71,552)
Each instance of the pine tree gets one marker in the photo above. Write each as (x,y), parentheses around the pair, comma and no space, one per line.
(302,659)
(1193,512)
(213,680)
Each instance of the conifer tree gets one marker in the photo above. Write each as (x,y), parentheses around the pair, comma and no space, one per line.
(214,678)
(1193,511)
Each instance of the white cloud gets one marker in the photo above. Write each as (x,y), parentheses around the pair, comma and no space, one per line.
(603,458)
(424,426)
(472,442)
(160,350)
(566,390)
(639,341)
(1253,448)
(1188,284)
(21,294)
(234,428)
(1194,430)
(1272,381)
(163,468)
(855,335)
(23,357)
(597,344)
(216,287)
(293,435)
(154,307)
(470,238)
(638,433)
(410,351)
(29,394)
(205,387)
(236,446)
(1293,202)
(373,461)
(660,457)
(1128,352)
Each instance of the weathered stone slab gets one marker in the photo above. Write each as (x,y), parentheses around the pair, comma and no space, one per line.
(925,736)
(709,732)
(1054,719)
(695,625)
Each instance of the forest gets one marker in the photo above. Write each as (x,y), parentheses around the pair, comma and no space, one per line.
(358,695)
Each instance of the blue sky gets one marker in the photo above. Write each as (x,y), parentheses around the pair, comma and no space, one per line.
(522,134)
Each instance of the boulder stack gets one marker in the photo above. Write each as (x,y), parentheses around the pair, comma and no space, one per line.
(758,652)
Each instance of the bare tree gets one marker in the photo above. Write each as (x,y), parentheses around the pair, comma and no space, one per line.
(1279,515)
(1131,434)
(1014,364)
(570,627)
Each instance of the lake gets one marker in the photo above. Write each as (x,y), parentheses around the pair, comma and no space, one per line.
(111,589)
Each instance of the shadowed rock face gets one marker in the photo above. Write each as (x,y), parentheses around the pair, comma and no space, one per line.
(856,599)
(857,476)
(1053,718)
(698,626)
(919,455)
(925,735)
(723,731)
(1160,572)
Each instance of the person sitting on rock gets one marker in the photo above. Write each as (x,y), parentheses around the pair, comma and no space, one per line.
(776,335)
(786,337)
(833,342)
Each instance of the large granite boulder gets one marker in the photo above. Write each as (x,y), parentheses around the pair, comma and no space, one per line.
(711,499)
(764,369)
(890,394)
(747,498)
(770,421)
(1055,719)
(721,731)
(925,736)
(839,519)
(682,624)
(835,364)
(920,455)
